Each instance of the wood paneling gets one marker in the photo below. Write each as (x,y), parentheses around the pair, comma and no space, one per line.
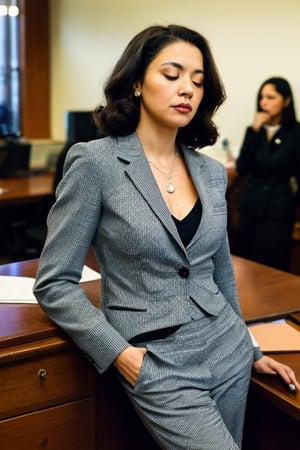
(35,68)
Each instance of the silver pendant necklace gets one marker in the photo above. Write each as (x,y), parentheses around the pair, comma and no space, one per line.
(168,175)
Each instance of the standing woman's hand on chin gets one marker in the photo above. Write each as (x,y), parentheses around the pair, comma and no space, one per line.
(129,363)
(260,119)
(267,365)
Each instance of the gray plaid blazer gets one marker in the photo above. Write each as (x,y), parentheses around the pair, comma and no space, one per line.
(108,199)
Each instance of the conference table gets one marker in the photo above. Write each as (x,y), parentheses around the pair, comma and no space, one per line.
(273,414)
(24,201)
(27,189)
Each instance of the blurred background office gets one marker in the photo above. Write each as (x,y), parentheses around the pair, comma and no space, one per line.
(250,40)
(67,48)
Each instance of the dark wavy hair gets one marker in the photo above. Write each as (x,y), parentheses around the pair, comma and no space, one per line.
(283,87)
(121,114)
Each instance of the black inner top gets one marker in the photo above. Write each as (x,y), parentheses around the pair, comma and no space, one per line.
(187,227)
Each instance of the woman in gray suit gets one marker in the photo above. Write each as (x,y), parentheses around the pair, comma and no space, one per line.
(154,211)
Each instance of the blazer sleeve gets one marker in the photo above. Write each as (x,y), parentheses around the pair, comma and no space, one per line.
(72,222)
(224,276)
(225,279)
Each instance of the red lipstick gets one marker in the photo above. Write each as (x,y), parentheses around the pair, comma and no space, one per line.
(183,107)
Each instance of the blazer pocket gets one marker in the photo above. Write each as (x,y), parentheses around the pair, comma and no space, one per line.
(139,305)
(143,373)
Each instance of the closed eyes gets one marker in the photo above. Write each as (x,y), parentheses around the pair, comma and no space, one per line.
(174,78)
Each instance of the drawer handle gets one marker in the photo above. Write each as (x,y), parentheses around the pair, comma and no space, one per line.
(42,374)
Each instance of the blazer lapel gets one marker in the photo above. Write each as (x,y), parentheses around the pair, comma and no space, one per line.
(140,174)
(201,178)
(138,170)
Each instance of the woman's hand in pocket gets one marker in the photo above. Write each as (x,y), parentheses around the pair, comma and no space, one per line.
(129,363)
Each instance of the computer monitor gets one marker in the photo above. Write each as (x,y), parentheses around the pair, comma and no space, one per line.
(14,159)
(80,127)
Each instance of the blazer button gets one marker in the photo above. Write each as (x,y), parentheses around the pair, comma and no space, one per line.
(183,272)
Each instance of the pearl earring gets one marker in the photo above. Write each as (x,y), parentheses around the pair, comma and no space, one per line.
(137,92)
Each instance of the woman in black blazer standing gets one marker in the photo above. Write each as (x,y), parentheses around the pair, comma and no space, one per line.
(270,159)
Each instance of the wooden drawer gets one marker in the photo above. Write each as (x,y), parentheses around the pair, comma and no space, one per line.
(45,381)
(66,427)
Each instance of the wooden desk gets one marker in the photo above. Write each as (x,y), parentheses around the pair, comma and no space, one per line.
(264,291)
(24,204)
(48,388)
(273,414)
(28,337)
(20,190)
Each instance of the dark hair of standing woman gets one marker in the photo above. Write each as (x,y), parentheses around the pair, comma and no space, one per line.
(283,87)
(121,113)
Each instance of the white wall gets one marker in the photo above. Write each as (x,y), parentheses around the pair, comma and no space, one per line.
(251,41)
